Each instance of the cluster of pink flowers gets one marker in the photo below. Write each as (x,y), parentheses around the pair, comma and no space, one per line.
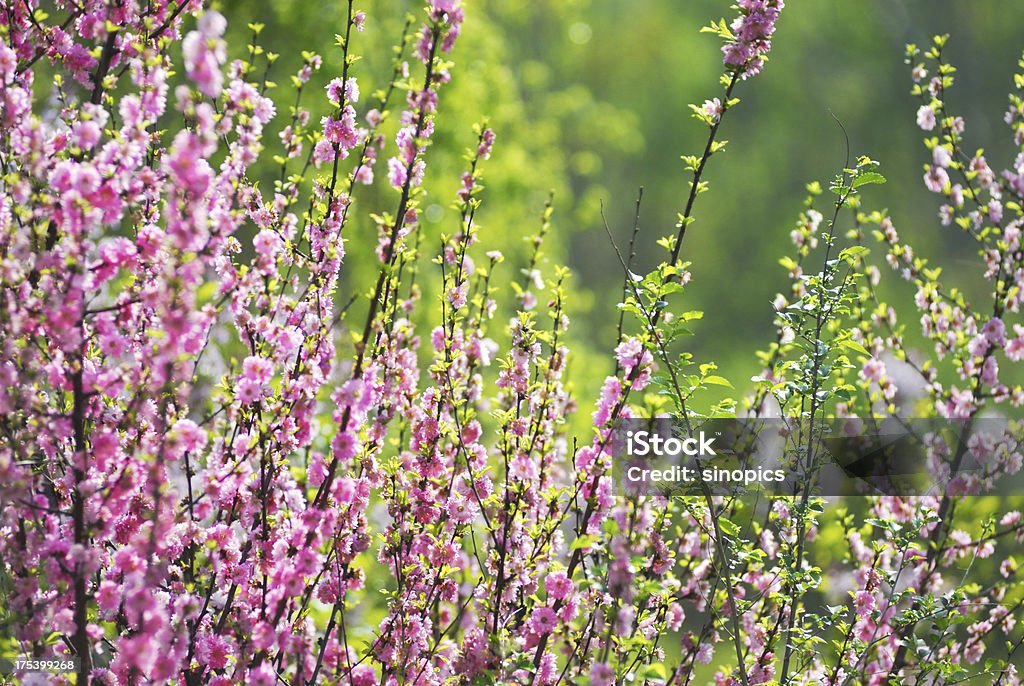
(210,475)
(752,32)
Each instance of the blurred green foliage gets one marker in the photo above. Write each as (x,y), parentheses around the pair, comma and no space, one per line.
(589,101)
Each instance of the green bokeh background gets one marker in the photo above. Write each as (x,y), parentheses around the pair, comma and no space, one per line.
(589,99)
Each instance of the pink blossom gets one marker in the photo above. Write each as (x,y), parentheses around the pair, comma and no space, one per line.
(543,620)
(396,173)
(486,144)
(268,244)
(602,674)
(558,585)
(461,509)
(865,603)
(248,391)
(187,165)
(873,369)
(990,372)
(258,369)
(323,152)
(936,179)
(205,52)
(926,118)
(712,109)
(363,675)
(341,132)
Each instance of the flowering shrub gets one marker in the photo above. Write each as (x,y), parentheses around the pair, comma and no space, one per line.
(208,475)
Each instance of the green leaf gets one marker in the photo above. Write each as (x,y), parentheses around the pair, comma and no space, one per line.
(868,178)
(586,541)
(850,344)
(714,380)
(728,527)
(853,251)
